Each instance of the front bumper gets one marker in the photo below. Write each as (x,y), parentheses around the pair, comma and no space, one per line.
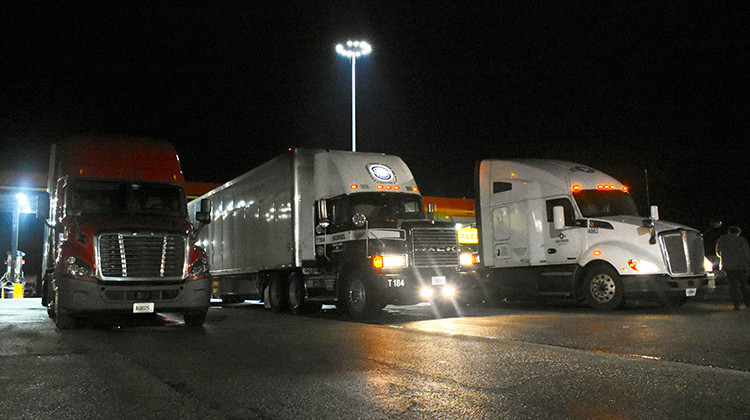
(86,296)
(406,288)
(662,285)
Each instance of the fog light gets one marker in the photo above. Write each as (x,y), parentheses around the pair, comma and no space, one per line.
(426,292)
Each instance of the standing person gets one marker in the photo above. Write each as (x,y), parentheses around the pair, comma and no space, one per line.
(735,260)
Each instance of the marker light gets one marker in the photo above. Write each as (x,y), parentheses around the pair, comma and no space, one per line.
(597,252)
(415,189)
(354,186)
(625,188)
(388,187)
(396,187)
(380,187)
(576,188)
(388,261)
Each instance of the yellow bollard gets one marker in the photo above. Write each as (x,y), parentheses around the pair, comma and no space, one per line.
(17,290)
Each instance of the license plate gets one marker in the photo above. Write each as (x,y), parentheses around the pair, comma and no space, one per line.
(438,280)
(691,291)
(143,308)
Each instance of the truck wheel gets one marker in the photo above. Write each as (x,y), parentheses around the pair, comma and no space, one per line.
(195,319)
(277,292)
(602,289)
(64,320)
(297,302)
(360,299)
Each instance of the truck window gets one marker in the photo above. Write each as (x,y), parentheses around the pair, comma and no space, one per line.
(566,205)
(115,197)
(385,209)
(597,203)
(498,187)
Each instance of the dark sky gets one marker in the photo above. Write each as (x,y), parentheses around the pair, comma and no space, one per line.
(622,86)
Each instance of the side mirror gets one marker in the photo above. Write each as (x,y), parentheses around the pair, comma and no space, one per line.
(322,209)
(204,215)
(558,217)
(359,220)
(42,205)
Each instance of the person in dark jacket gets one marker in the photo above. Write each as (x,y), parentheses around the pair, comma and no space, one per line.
(735,260)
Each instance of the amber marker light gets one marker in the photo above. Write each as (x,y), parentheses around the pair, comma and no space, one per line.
(380,187)
(576,188)
(354,186)
(597,252)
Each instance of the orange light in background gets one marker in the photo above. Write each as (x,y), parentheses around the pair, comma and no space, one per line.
(512,174)
(354,186)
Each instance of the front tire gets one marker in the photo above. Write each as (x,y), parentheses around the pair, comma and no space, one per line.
(360,298)
(64,320)
(602,288)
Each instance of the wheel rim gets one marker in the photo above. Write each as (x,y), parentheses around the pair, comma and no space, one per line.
(603,288)
(357,296)
(295,292)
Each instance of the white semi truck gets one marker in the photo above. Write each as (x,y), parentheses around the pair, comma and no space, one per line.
(554,228)
(314,227)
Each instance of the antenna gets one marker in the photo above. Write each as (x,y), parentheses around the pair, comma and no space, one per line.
(648,197)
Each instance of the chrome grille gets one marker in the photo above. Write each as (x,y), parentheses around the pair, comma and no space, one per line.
(141,256)
(434,247)
(683,251)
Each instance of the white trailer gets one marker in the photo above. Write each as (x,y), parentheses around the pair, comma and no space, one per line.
(314,227)
(555,228)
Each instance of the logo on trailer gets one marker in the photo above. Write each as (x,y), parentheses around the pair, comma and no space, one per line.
(381,172)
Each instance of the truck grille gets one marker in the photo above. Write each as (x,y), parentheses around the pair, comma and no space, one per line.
(683,252)
(141,256)
(434,247)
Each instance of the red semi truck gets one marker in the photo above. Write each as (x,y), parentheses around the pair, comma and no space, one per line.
(118,237)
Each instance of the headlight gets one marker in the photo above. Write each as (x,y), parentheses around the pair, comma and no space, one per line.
(77,267)
(199,268)
(389,261)
(426,292)
(449,291)
(708,265)
(643,266)
(466,259)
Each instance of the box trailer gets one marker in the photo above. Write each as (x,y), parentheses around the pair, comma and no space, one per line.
(314,227)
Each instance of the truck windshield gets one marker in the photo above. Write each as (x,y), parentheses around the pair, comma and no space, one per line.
(596,203)
(382,209)
(115,197)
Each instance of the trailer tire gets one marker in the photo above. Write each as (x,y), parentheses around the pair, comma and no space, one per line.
(298,304)
(360,298)
(277,292)
(602,288)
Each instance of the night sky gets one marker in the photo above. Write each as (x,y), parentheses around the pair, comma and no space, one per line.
(624,87)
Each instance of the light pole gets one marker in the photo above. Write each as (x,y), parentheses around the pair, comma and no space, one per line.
(352,50)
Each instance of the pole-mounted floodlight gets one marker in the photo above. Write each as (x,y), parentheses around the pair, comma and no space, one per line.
(352,50)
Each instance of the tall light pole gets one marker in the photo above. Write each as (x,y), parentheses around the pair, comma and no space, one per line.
(352,50)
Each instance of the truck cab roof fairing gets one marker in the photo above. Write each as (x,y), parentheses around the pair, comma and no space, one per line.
(366,170)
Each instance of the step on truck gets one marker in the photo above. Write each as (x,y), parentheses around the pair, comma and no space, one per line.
(554,228)
(314,227)
(118,237)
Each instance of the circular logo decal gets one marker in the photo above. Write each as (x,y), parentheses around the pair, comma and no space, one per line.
(381,172)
